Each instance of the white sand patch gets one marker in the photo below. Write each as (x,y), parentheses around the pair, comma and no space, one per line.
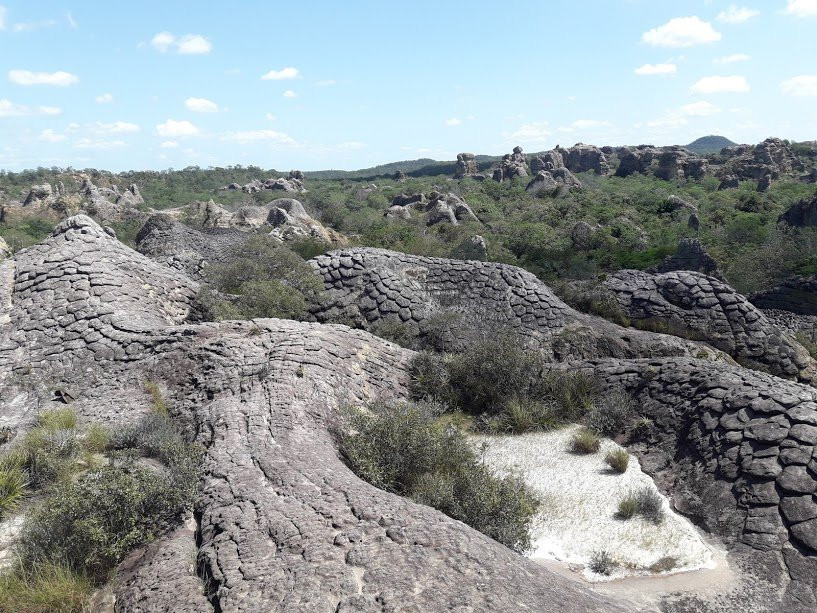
(10,530)
(580,497)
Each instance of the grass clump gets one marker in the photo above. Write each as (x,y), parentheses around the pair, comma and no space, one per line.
(406,449)
(523,414)
(645,502)
(157,399)
(585,441)
(610,413)
(44,588)
(13,484)
(602,562)
(618,460)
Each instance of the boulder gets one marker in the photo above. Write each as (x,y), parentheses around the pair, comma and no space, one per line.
(728,182)
(465,166)
(512,165)
(584,158)
(447,208)
(542,184)
(296,174)
(38,194)
(690,255)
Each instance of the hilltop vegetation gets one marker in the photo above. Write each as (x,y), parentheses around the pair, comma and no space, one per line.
(709,144)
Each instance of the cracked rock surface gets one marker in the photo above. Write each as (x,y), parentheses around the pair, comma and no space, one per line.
(282,523)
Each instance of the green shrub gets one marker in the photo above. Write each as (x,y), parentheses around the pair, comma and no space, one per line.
(96,439)
(611,413)
(602,562)
(406,449)
(522,414)
(574,391)
(12,488)
(645,502)
(91,524)
(157,399)
(618,460)
(57,419)
(584,441)
(430,378)
(44,588)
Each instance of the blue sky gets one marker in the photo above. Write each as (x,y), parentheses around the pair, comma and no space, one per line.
(328,84)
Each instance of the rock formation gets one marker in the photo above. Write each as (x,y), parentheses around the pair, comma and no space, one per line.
(668,163)
(282,523)
(466,166)
(38,194)
(796,294)
(439,208)
(548,182)
(292,185)
(584,158)
(690,255)
(512,165)
(772,157)
(693,305)
(802,214)
(290,221)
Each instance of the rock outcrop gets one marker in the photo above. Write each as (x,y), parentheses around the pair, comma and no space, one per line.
(293,184)
(368,286)
(466,166)
(548,182)
(690,255)
(38,194)
(438,207)
(290,221)
(693,305)
(668,163)
(512,165)
(795,294)
(281,522)
(772,158)
(802,214)
(584,158)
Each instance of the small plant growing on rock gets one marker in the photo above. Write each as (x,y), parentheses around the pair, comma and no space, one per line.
(602,562)
(585,441)
(12,487)
(618,460)
(628,507)
(611,413)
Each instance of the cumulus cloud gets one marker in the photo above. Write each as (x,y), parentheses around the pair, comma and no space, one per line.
(104,99)
(802,8)
(453,121)
(281,75)
(172,128)
(98,144)
(290,94)
(201,105)
(731,59)
(682,32)
(719,85)
(254,136)
(26,77)
(737,14)
(652,69)
(188,44)
(535,132)
(804,85)
(114,127)
(10,109)
(50,136)
(169,144)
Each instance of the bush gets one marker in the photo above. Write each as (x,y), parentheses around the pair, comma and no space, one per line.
(522,414)
(584,441)
(406,450)
(268,279)
(44,588)
(50,450)
(645,502)
(96,439)
(575,392)
(618,460)
(430,378)
(91,524)
(611,413)
(601,562)
(12,488)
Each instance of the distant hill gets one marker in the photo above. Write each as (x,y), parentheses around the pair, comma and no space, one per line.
(709,144)
(414,168)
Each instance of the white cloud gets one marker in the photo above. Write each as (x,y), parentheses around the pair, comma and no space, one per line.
(162,41)
(737,14)
(802,8)
(114,127)
(271,117)
(804,85)
(189,44)
(251,136)
(90,143)
(699,109)
(585,124)
(651,69)
(281,75)
(2,17)
(201,105)
(731,59)
(30,26)
(681,32)
(104,99)
(71,21)
(172,128)
(454,121)
(10,109)
(26,77)
(326,83)
(717,85)
(194,44)
(535,132)
(169,144)
(50,136)
(290,94)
